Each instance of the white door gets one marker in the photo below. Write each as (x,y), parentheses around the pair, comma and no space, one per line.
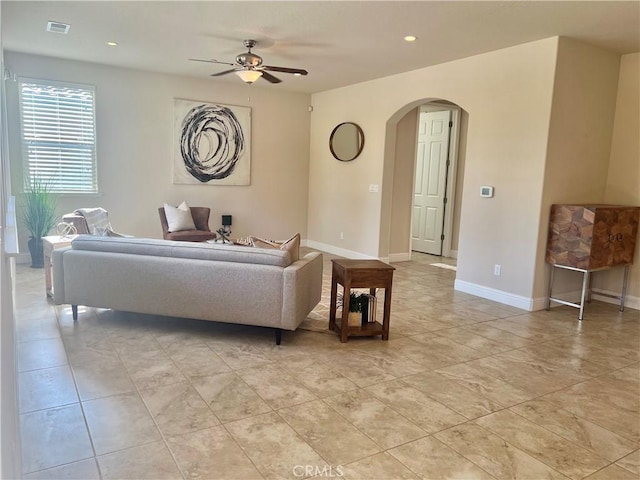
(430,182)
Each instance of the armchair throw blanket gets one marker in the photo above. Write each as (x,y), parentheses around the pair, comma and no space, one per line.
(95,218)
(97,221)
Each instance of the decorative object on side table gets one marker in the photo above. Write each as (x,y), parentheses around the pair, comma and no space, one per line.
(39,214)
(65,229)
(225,230)
(355,307)
(369,306)
(226,224)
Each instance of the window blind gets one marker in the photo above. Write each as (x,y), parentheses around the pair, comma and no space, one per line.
(59,135)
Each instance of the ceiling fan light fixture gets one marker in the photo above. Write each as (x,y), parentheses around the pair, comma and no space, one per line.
(249,76)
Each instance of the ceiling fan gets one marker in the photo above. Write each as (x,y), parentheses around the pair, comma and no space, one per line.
(248,66)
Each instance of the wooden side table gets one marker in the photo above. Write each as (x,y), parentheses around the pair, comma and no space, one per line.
(350,274)
(49,244)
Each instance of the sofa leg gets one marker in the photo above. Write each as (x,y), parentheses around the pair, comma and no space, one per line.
(278,336)
(74,311)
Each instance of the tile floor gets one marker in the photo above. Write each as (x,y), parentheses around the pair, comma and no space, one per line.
(464,389)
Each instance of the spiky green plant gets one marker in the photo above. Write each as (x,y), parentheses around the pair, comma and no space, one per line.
(356,301)
(39,209)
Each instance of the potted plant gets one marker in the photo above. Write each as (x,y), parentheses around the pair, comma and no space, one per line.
(39,214)
(356,302)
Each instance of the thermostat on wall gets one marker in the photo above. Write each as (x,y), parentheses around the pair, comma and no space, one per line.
(486,191)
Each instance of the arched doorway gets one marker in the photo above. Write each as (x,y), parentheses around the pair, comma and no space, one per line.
(397,226)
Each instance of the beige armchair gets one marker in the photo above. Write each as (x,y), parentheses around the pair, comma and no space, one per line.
(202,232)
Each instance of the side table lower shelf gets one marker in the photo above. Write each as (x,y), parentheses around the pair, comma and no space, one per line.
(367,330)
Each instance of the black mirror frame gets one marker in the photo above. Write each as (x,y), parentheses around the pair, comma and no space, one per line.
(360,141)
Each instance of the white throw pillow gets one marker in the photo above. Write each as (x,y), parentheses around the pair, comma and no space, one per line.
(179,218)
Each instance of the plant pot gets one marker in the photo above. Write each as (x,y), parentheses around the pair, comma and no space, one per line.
(355,319)
(37,254)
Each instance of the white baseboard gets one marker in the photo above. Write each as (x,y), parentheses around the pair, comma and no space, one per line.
(343,252)
(630,301)
(399,257)
(406,256)
(499,296)
(540,303)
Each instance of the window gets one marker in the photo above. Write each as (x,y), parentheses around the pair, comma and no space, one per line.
(59,135)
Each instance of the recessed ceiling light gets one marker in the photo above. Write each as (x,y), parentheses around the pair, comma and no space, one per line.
(297,74)
(57,27)
(410,38)
(112,44)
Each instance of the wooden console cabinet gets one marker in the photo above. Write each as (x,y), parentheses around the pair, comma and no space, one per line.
(592,236)
(589,238)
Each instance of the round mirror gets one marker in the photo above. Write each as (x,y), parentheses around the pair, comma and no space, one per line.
(346,141)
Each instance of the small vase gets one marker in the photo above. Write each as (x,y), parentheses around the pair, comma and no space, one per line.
(355,319)
(37,255)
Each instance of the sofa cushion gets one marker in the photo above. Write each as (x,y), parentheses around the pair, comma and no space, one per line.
(179,218)
(198,251)
(292,245)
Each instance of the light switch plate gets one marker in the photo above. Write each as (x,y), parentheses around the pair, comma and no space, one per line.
(373,188)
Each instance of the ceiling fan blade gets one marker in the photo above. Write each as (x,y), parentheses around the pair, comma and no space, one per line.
(211,61)
(270,78)
(224,73)
(299,71)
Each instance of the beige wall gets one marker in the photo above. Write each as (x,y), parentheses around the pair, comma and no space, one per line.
(403,183)
(623,179)
(135,145)
(507,95)
(584,102)
(462,155)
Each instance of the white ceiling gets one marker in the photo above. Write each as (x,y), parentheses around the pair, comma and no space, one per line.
(338,42)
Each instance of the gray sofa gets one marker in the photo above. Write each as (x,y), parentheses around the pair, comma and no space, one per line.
(222,283)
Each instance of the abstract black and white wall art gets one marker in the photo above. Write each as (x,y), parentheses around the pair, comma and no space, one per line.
(212,144)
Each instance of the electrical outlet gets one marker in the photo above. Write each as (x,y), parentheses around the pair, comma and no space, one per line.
(497,269)
(341,235)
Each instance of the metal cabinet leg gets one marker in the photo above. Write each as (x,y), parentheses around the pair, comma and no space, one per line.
(590,287)
(625,278)
(585,286)
(548,304)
